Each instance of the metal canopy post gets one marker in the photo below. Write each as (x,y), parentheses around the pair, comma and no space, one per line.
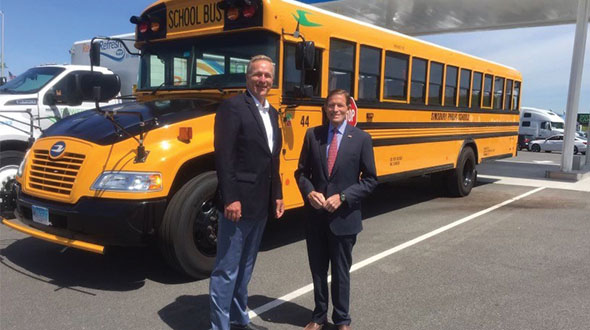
(573,95)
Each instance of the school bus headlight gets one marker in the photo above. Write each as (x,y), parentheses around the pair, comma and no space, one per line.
(21,167)
(128,181)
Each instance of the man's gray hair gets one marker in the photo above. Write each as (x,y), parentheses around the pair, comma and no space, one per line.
(259,58)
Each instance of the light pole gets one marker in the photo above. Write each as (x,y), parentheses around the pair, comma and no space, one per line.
(2,51)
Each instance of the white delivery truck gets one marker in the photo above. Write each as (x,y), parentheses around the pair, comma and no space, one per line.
(113,56)
(540,123)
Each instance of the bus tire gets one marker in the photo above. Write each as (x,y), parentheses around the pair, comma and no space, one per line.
(462,179)
(9,162)
(188,232)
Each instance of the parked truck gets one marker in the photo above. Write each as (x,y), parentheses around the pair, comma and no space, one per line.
(113,56)
(42,95)
(540,123)
(32,102)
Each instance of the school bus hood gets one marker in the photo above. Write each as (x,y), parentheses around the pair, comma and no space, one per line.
(93,126)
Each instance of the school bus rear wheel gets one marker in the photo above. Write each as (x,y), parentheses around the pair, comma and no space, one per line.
(462,179)
(188,233)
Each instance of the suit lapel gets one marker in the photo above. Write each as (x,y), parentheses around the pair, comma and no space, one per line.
(274,121)
(323,139)
(344,142)
(254,110)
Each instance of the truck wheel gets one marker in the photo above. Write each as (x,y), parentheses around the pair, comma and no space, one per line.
(188,233)
(462,179)
(9,163)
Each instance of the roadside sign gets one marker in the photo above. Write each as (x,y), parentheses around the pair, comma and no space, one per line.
(583,118)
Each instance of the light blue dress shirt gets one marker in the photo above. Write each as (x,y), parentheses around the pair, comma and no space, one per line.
(339,135)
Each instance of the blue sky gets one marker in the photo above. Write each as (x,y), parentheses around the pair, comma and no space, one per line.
(43,31)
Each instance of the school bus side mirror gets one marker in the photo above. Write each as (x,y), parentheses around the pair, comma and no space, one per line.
(99,87)
(95,53)
(305,55)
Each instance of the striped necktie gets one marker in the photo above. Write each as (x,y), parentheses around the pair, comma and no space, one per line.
(332,151)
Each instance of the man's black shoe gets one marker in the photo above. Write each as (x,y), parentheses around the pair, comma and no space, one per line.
(249,326)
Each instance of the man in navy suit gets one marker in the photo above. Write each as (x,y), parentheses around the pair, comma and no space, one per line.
(336,170)
(247,145)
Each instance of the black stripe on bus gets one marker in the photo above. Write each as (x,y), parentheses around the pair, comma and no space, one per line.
(408,174)
(438,138)
(485,159)
(405,125)
(319,101)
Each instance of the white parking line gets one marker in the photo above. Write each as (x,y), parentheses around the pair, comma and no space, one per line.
(308,288)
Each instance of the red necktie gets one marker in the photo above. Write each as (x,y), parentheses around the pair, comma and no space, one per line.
(332,151)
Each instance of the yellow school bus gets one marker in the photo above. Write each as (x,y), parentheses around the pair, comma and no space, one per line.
(144,171)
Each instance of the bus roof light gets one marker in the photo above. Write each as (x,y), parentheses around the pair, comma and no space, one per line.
(249,10)
(155,26)
(233,13)
(142,27)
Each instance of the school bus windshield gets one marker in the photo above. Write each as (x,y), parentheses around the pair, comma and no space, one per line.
(211,62)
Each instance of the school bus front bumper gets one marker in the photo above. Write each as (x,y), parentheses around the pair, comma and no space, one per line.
(53,238)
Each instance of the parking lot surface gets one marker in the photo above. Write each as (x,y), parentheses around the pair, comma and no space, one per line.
(512,255)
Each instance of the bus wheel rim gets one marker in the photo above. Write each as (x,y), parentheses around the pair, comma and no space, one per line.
(205,228)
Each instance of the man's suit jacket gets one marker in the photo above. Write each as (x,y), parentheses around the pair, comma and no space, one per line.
(353,174)
(247,170)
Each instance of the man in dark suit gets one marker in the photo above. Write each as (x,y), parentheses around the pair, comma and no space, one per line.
(247,145)
(336,170)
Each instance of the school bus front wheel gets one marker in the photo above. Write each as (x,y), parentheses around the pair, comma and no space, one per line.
(188,232)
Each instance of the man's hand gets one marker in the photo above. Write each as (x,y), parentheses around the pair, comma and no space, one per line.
(233,211)
(280,208)
(332,203)
(316,199)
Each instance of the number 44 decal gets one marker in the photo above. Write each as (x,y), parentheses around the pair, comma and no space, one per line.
(304,121)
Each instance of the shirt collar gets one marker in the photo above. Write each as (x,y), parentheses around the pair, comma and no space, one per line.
(340,128)
(258,104)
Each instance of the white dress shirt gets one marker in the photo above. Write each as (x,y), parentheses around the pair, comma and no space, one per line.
(264,113)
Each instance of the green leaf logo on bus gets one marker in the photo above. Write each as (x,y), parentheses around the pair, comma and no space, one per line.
(302,19)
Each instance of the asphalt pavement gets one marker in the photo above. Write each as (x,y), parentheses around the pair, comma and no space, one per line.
(512,255)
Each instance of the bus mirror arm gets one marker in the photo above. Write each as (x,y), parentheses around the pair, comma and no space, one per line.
(95,50)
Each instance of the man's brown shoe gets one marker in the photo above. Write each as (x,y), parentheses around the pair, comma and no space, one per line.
(313,326)
(344,327)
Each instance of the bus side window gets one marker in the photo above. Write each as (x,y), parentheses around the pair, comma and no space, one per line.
(396,76)
(464,86)
(435,83)
(508,97)
(516,95)
(369,73)
(292,76)
(498,92)
(451,86)
(487,91)
(418,88)
(476,90)
(342,55)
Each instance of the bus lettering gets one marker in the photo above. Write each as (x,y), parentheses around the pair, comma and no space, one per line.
(195,15)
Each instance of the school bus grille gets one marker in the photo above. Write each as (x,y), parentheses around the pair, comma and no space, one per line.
(54,175)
